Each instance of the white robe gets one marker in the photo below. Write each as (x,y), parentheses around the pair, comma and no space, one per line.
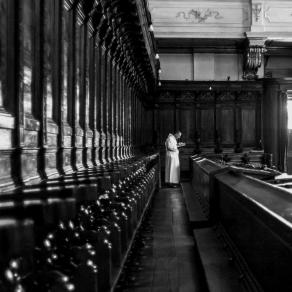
(172,168)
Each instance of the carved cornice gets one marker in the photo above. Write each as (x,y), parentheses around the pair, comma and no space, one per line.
(220,93)
(226,96)
(116,26)
(206,96)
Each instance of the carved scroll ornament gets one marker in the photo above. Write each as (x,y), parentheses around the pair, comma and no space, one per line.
(199,16)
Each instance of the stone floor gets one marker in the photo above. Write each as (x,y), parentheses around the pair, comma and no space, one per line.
(164,256)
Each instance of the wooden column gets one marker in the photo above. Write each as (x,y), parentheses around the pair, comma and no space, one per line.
(113,82)
(10,169)
(123,147)
(93,97)
(102,104)
(88,104)
(28,126)
(134,121)
(78,97)
(66,91)
(126,121)
(49,108)
(116,104)
(120,149)
(108,90)
(131,143)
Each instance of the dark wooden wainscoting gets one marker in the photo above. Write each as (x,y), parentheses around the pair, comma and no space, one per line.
(211,115)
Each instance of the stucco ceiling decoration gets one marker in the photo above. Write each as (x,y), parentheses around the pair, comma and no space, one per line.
(222,19)
(278,14)
(200,19)
(199,15)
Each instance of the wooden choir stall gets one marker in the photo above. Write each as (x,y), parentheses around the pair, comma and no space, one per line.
(76,76)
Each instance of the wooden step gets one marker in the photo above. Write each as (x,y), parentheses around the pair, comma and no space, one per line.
(196,215)
(220,272)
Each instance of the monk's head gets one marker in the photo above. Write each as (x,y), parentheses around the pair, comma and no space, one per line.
(177,134)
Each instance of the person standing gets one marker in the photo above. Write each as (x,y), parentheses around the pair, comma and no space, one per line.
(172,166)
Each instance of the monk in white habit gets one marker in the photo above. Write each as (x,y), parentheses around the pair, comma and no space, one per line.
(172,168)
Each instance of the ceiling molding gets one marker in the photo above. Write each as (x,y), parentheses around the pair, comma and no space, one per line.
(191,45)
(219,46)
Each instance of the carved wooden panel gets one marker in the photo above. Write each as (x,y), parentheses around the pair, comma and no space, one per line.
(228,114)
(225,124)
(207,126)
(148,128)
(187,122)
(248,122)
(166,122)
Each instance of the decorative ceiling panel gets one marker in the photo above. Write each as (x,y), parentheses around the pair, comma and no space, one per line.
(200,18)
(221,19)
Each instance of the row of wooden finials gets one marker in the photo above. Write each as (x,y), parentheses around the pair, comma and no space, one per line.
(75,236)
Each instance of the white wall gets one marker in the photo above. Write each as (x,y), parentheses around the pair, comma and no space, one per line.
(201,66)
(176,66)
(279,66)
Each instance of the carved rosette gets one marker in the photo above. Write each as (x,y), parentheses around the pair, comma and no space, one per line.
(226,97)
(206,97)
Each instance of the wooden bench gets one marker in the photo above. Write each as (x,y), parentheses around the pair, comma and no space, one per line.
(196,215)
(220,272)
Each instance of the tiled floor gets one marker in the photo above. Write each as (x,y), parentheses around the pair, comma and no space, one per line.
(164,257)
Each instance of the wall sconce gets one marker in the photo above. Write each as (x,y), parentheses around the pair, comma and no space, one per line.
(159,71)
(159,83)
(151,28)
(157,57)
(210,88)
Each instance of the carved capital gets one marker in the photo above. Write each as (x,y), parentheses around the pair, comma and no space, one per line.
(253,56)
